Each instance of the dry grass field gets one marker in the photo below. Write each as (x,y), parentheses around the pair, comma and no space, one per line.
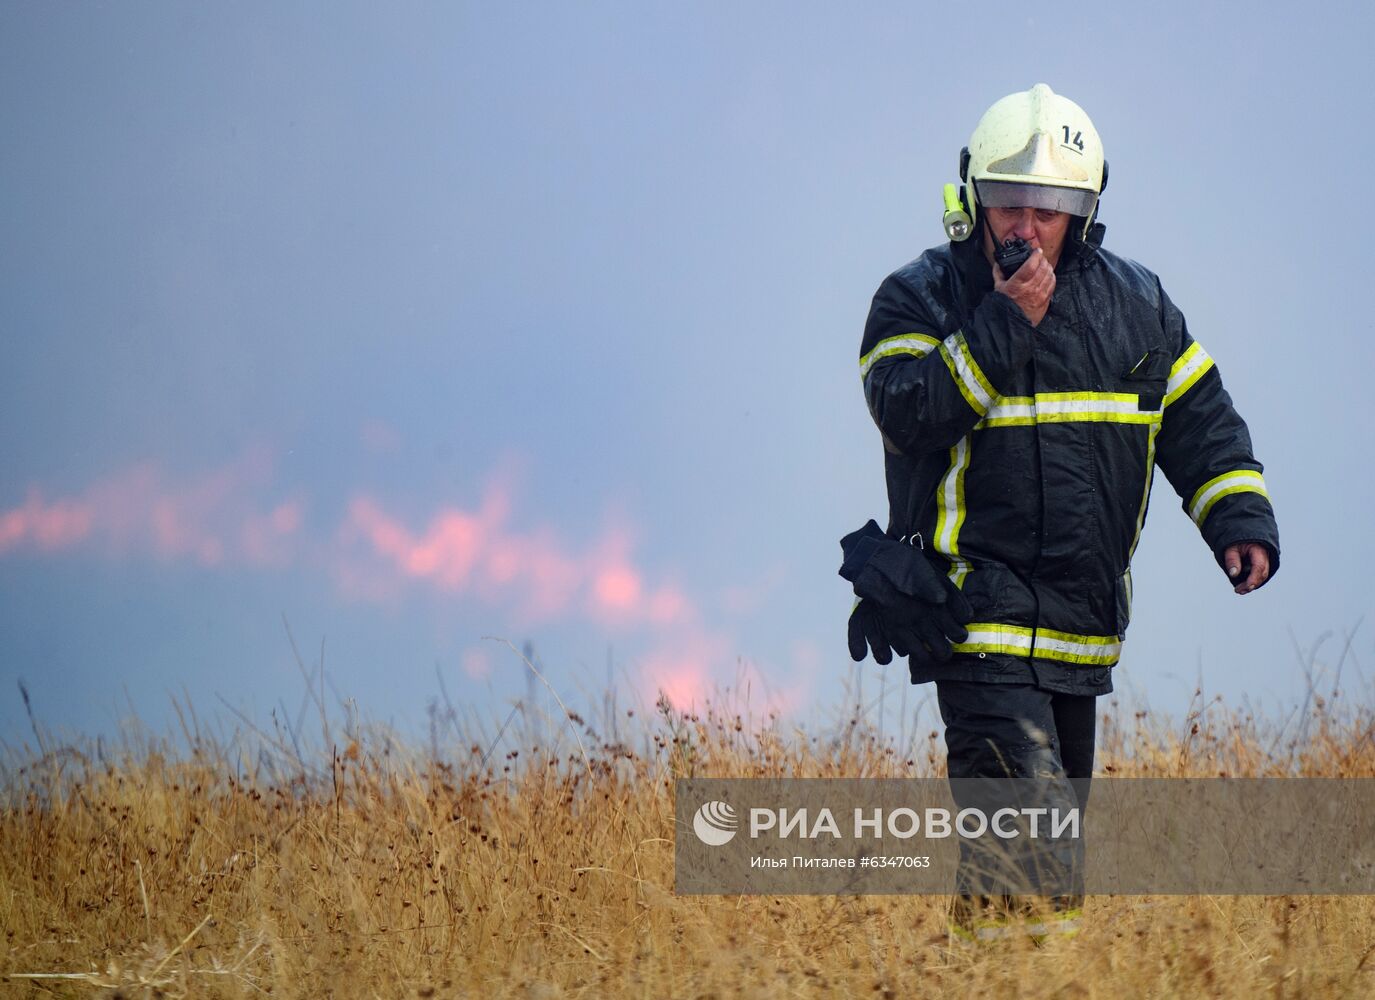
(368,869)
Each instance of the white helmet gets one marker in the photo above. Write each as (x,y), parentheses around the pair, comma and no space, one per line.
(1035,149)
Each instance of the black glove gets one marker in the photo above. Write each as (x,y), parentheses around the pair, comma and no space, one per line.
(912,608)
(869,630)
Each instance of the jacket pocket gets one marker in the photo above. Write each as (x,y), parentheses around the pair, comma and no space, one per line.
(1153,366)
(1148,377)
(1124,602)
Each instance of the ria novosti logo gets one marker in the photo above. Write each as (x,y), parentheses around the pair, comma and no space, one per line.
(715,823)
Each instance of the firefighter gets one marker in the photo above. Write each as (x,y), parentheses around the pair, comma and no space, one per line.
(1023,407)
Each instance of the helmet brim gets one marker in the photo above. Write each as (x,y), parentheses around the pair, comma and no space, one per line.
(1006,194)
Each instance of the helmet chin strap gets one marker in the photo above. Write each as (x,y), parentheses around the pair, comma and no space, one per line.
(981,216)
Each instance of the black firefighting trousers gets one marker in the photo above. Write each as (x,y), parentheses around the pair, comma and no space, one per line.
(1020,746)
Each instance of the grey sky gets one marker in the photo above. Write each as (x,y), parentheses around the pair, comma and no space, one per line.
(278,282)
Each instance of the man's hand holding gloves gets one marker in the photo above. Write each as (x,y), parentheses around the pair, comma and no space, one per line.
(906,605)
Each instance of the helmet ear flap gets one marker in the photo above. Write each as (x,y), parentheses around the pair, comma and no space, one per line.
(1093,216)
(964,165)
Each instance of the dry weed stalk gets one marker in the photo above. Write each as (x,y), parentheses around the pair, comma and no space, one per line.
(257,865)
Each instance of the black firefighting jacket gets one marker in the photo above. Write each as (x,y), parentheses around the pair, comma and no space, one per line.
(1020,458)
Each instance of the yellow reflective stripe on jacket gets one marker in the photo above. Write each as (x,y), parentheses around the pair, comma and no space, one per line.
(978,392)
(1191,366)
(1043,644)
(1067,407)
(950,511)
(1241,481)
(1145,493)
(985,638)
(918,344)
(1070,648)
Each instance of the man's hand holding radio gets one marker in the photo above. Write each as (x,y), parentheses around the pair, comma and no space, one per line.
(1030,287)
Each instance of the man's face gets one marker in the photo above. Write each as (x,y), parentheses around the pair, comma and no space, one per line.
(1038,226)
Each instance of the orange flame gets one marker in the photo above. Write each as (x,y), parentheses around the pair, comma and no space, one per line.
(219,519)
(48,526)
